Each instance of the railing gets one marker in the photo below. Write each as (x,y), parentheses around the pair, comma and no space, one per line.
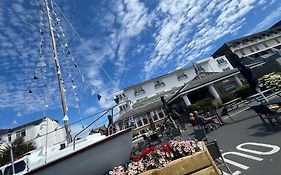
(106,111)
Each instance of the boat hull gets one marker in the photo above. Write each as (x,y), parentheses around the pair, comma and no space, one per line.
(94,159)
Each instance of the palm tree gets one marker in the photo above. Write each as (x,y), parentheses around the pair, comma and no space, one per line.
(19,146)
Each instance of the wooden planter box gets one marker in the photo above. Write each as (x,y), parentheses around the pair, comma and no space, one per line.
(200,163)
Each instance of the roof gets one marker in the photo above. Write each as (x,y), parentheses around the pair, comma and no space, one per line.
(3,131)
(155,103)
(149,104)
(220,51)
(193,85)
(276,24)
(170,73)
(36,122)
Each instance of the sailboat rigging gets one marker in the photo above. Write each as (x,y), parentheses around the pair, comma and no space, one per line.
(59,75)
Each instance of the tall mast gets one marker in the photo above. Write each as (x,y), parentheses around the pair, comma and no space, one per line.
(59,76)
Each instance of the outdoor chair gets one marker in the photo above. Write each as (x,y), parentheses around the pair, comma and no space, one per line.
(266,114)
(175,133)
(151,140)
(215,152)
(141,146)
(200,134)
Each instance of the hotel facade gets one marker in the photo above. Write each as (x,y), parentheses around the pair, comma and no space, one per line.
(208,78)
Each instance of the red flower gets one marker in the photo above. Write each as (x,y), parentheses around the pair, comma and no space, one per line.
(166,148)
(138,157)
(152,149)
(145,152)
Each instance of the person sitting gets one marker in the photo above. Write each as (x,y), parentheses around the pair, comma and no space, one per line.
(191,119)
(204,121)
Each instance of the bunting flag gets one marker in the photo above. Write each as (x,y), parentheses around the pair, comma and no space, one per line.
(30,91)
(99,97)
(116,100)
(66,50)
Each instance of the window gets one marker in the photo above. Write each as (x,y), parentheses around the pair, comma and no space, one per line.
(145,120)
(158,84)
(23,133)
(200,68)
(138,121)
(9,137)
(182,76)
(228,86)
(242,52)
(139,91)
(160,113)
(256,47)
(127,124)
(251,49)
(227,68)
(276,40)
(19,166)
(18,134)
(265,44)
(221,61)
(155,116)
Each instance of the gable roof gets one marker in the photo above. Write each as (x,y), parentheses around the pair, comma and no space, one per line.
(221,51)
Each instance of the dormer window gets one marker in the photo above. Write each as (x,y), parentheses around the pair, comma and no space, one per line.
(158,84)
(265,45)
(200,68)
(276,40)
(182,76)
(221,61)
(121,97)
(139,90)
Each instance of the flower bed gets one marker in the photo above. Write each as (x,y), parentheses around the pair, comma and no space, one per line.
(155,158)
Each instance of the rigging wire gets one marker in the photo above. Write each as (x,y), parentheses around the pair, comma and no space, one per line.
(73,87)
(78,121)
(66,45)
(83,42)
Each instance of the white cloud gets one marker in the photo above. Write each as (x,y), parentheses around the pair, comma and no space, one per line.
(14,122)
(189,28)
(90,111)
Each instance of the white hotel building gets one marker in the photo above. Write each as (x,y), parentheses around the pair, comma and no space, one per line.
(206,78)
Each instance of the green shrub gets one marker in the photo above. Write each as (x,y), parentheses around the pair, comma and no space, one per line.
(244,91)
(201,106)
(228,97)
(272,80)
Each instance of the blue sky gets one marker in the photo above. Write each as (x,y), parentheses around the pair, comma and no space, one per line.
(121,43)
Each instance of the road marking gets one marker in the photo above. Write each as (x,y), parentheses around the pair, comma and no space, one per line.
(244,155)
(275,148)
(244,167)
(233,173)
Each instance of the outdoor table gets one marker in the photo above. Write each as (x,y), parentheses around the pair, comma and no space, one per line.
(275,107)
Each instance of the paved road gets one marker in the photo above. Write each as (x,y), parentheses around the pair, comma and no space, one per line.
(258,159)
